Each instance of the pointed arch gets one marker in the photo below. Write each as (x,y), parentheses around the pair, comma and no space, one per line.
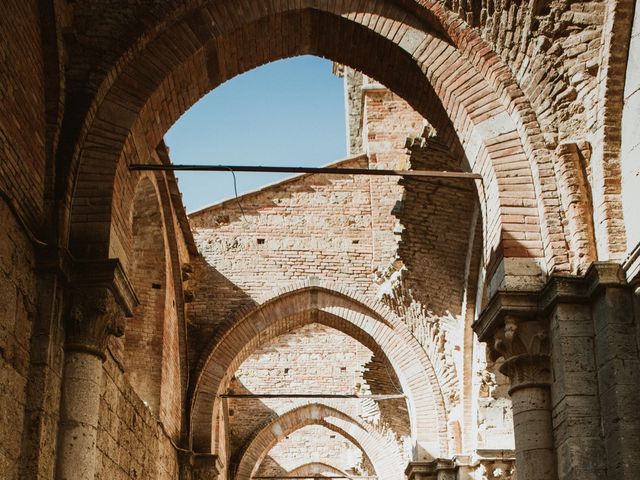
(353,314)
(441,68)
(368,441)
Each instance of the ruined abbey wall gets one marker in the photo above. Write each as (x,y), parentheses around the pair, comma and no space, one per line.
(404,243)
(540,98)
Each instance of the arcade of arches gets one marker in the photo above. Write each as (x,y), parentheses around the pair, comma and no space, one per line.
(335,326)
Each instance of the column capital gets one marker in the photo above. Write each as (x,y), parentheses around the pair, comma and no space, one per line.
(438,469)
(536,304)
(524,345)
(101,296)
(200,466)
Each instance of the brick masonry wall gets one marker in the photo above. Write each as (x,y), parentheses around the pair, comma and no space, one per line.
(555,54)
(144,335)
(150,350)
(22,123)
(157,104)
(313,226)
(315,444)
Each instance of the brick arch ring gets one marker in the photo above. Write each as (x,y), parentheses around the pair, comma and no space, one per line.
(367,440)
(355,315)
(442,69)
(316,470)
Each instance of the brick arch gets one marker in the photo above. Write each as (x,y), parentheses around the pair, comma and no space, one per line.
(143,340)
(153,346)
(451,81)
(355,316)
(367,440)
(315,469)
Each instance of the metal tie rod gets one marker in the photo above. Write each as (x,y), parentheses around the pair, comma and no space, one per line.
(311,395)
(322,170)
(316,476)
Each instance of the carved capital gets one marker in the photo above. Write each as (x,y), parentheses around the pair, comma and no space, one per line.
(200,466)
(94,315)
(527,371)
(524,345)
(101,296)
(497,469)
(519,336)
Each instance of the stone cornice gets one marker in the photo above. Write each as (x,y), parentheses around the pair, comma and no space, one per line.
(418,470)
(523,304)
(536,304)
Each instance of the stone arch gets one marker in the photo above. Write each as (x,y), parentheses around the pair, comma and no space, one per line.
(143,341)
(371,444)
(450,77)
(353,314)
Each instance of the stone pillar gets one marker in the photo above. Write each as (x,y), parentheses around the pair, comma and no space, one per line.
(97,309)
(439,469)
(524,344)
(618,363)
(574,393)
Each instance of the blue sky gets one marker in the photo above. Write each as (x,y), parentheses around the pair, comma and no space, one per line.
(289,112)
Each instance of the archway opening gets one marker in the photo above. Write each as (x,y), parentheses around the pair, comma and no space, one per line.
(329,367)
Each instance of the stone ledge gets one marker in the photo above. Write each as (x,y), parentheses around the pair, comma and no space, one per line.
(536,304)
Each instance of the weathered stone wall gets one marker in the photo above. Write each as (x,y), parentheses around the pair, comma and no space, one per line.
(17,315)
(131,441)
(22,179)
(353,81)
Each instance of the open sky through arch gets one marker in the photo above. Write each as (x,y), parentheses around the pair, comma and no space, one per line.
(289,112)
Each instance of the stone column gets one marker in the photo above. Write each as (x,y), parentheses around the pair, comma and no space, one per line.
(97,309)
(574,392)
(524,344)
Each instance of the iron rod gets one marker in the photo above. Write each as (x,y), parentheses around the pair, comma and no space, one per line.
(311,395)
(321,170)
(316,476)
